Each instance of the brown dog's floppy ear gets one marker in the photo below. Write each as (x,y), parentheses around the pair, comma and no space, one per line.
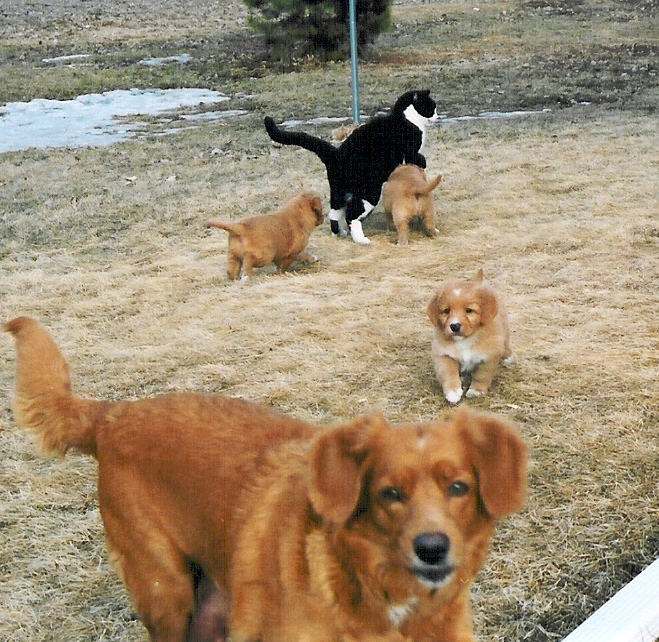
(499,457)
(337,466)
(433,309)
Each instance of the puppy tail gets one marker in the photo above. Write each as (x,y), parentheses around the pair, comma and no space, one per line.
(233,228)
(430,186)
(43,400)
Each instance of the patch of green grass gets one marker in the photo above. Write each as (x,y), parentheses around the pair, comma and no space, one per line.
(506,56)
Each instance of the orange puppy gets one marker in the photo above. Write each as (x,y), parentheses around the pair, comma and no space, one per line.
(224,516)
(406,194)
(278,238)
(472,335)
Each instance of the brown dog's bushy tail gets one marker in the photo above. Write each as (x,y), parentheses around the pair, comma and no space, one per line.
(43,399)
(233,228)
(430,186)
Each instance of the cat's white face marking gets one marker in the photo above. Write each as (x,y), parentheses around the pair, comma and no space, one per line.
(419,121)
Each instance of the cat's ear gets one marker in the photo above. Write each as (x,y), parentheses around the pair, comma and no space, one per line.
(423,93)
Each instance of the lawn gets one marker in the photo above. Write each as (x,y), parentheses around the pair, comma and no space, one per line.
(106,246)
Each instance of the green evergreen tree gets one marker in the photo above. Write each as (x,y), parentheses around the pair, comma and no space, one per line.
(318,27)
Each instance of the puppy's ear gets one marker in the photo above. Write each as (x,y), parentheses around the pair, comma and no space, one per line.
(434,308)
(499,457)
(337,463)
(317,206)
(489,305)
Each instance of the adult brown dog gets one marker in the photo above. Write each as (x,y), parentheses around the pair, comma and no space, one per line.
(406,194)
(362,531)
(472,335)
(279,237)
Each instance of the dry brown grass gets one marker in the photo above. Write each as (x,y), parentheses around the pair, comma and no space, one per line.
(559,210)
(560,217)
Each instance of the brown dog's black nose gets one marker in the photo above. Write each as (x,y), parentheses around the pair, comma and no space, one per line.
(431,548)
(455,327)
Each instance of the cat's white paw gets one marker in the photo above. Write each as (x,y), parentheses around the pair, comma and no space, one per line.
(357,233)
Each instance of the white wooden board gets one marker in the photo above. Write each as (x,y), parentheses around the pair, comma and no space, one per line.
(631,615)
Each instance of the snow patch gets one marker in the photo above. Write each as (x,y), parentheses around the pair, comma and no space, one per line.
(90,119)
(68,58)
(155,62)
(492,115)
(485,115)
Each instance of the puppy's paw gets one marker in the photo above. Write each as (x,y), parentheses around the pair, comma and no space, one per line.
(364,240)
(453,396)
(508,361)
(472,392)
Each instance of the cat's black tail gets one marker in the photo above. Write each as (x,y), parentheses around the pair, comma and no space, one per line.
(324,150)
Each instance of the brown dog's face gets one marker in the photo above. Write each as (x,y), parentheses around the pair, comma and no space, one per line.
(420,499)
(423,494)
(460,308)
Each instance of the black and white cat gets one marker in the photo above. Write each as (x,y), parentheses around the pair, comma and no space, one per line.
(357,169)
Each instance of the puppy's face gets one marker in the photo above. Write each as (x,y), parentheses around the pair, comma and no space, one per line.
(460,308)
(418,501)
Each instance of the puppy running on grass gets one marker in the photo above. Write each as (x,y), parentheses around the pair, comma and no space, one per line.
(278,238)
(472,335)
(406,194)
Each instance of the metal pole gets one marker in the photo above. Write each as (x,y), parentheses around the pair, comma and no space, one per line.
(353,61)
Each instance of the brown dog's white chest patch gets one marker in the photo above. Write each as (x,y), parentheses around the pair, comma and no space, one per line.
(398,613)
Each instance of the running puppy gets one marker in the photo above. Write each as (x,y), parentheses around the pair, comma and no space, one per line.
(472,335)
(227,518)
(357,168)
(406,194)
(278,238)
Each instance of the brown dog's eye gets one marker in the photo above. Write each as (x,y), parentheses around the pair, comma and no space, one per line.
(391,494)
(469,310)
(446,310)
(458,489)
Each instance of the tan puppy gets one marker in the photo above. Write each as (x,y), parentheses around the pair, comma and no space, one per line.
(406,194)
(224,516)
(472,335)
(278,238)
